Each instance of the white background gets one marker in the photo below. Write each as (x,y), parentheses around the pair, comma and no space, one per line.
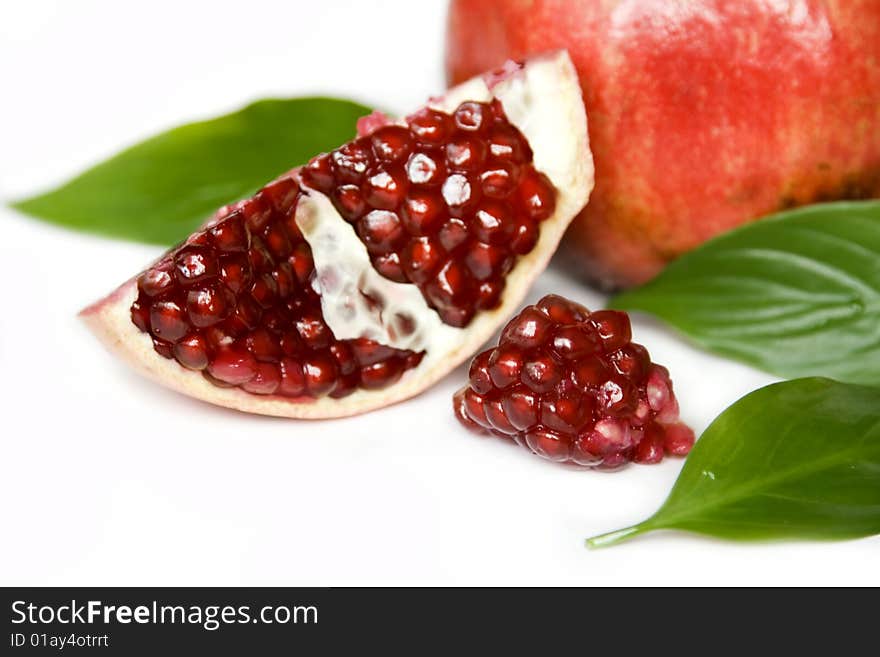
(106,479)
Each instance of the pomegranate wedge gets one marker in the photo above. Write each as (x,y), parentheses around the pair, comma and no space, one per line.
(363,277)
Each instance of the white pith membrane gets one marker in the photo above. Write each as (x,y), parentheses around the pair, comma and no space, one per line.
(543,100)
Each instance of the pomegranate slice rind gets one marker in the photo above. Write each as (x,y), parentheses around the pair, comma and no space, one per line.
(542,99)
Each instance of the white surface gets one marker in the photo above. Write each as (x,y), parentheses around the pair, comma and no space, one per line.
(106,479)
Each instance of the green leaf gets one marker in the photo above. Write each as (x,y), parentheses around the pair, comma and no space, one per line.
(796,294)
(161,189)
(798,459)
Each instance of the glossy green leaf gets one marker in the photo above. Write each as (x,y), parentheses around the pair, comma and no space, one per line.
(796,294)
(161,189)
(798,459)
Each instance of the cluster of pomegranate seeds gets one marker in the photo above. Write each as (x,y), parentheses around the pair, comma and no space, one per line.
(446,202)
(571,386)
(235,302)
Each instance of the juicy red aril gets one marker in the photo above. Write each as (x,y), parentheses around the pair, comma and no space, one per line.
(266,380)
(235,302)
(465,154)
(391,143)
(465,180)
(473,117)
(167,320)
(421,259)
(425,169)
(613,327)
(233,365)
(430,126)
(192,352)
(385,189)
(381,231)
(194,266)
(571,386)
(350,162)
(390,267)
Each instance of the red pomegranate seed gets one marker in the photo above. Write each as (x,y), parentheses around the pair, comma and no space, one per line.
(422,213)
(549,444)
(235,272)
(679,439)
(524,236)
(391,143)
(473,117)
(314,333)
(192,352)
(168,321)
(487,262)
(367,352)
(351,161)
(280,195)
(521,407)
(489,294)
(479,375)
(381,374)
(425,169)
(349,201)
(453,234)
(155,282)
(472,405)
(293,381)
(320,373)
(449,285)
(390,267)
(381,231)
(458,192)
(345,359)
(319,173)
(194,266)
(140,316)
(465,154)
(528,330)
(164,349)
(536,195)
(430,126)
(208,305)
(385,189)
(266,380)
(613,327)
(650,448)
(497,417)
(492,222)
(541,373)
(632,361)
(499,181)
(230,236)
(233,366)
(561,310)
(507,144)
(256,213)
(264,345)
(505,366)
(573,342)
(302,263)
(421,259)
(552,385)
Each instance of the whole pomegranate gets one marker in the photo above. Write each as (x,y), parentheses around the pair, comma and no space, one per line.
(703,114)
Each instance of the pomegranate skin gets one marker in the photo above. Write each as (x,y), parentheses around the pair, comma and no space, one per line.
(703,115)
